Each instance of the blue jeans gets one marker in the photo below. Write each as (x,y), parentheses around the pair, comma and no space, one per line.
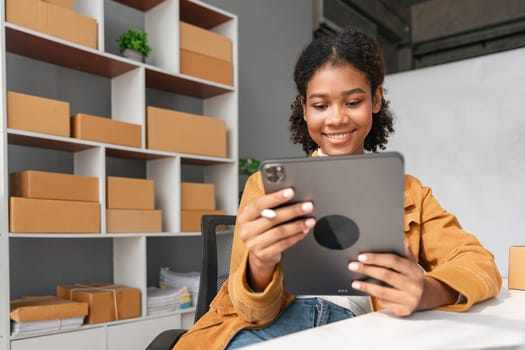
(302,314)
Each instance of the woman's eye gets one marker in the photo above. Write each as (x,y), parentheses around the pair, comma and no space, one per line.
(320,107)
(353,103)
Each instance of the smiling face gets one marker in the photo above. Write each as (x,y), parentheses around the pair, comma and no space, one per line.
(338,108)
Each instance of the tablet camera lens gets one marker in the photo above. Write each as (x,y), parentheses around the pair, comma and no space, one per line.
(274,173)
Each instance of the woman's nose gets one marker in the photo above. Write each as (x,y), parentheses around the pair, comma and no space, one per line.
(336,117)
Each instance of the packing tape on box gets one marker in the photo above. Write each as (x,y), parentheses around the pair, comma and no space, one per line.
(85,287)
(516,273)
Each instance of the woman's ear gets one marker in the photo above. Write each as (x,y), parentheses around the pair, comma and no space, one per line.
(378,99)
(303,105)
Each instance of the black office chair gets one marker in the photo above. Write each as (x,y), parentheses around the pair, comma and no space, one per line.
(210,278)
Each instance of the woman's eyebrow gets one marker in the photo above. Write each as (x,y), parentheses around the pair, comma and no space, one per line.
(344,93)
(353,91)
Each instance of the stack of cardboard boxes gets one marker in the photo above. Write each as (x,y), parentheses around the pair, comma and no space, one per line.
(197,199)
(205,54)
(45,202)
(54,17)
(107,302)
(131,206)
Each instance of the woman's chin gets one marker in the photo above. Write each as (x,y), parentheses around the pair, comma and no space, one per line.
(342,151)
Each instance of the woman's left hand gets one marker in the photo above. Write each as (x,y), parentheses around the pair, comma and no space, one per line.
(408,288)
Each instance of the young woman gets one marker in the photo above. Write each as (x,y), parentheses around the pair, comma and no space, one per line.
(340,109)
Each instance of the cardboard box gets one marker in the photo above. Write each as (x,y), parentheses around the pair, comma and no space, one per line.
(206,67)
(38,308)
(38,114)
(173,131)
(101,298)
(47,185)
(516,273)
(53,216)
(191,219)
(130,193)
(197,196)
(100,129)
(69,4)
(53,19)
(133,220)
(205,42)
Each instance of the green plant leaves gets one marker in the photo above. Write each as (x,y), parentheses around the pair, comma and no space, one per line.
(248,166)
(134,39)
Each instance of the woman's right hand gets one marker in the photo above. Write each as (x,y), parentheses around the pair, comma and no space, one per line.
(266,239)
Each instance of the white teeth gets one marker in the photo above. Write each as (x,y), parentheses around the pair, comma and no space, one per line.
(338,136)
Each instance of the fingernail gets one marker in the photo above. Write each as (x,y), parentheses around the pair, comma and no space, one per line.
(353,266)
(309,223)
(306,207)
(356,285)
(362,257)
(268,213)
(287,193)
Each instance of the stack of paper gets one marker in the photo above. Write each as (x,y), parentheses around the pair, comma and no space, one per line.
(162,300)
(190,280)
(34,327)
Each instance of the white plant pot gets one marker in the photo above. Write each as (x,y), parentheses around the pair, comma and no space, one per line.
(133,54)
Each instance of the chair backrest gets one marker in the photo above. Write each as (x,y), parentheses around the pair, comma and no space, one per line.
(210,279)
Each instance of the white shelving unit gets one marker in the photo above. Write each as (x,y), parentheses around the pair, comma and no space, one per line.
(131,254)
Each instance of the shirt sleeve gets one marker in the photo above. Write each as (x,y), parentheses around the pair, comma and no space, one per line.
(255,307)
(453,256)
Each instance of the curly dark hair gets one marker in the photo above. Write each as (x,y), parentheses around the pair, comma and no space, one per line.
(353,47)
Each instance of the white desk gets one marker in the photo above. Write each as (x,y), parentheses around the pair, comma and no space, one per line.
(498,323)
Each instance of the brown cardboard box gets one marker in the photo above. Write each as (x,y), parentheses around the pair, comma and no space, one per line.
(26,13)
(516,273)
(47,185)
(133,220)
(100,129)
(53,216)
(205,42)
(206,67)
(52,19)
(197,196)
(173,131)
(191,219)
(38,308)
(102,298)
(130,193)
(64,3)
(38,114)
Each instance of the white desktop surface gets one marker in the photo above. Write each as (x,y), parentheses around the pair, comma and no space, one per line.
(498,323)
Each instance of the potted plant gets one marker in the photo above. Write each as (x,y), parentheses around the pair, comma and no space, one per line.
(133,44)
(247,166)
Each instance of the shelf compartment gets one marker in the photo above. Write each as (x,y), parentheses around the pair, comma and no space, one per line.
(33,139)
(183,84)
(141,5)
(29,43)
(202,16)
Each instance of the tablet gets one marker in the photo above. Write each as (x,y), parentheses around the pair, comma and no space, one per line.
(358,207)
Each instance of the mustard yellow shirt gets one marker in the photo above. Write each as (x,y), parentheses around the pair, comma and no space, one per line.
(446,251)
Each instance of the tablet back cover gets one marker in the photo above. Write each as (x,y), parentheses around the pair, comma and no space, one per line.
(358,204)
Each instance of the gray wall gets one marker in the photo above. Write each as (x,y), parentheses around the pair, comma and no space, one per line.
(272,33)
